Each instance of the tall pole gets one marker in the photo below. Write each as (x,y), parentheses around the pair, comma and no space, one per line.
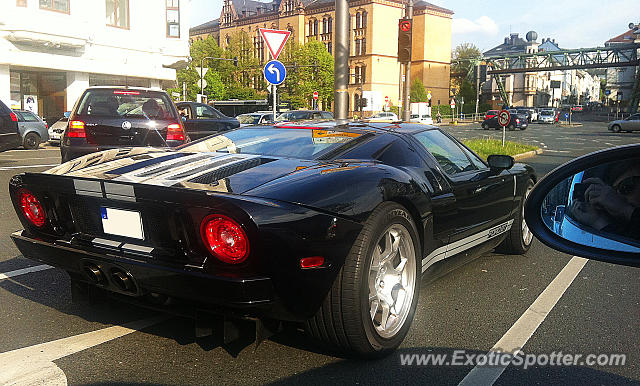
(201,76)
(274,90)
(407,73)
(341,60)
(477,90)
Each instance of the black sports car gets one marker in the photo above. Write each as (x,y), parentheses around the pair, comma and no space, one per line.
(330,225)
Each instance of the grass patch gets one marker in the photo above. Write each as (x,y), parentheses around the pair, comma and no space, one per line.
(486,147)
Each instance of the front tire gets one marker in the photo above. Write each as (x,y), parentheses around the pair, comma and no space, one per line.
(369,309)
(519,237)
(615,128)
(485,126)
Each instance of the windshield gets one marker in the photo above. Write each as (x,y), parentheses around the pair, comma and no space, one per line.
(110,103)
(279,142)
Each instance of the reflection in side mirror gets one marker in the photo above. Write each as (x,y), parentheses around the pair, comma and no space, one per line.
(498,161)
(184,119)
(591,206)
(67,114)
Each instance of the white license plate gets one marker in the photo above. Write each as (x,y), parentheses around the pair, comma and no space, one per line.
(119,222)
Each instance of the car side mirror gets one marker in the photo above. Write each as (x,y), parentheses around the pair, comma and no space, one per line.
(590,206)
(499,161)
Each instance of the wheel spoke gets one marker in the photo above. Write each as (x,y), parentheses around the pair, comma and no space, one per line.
(384,315)
(400,267)
(373,310)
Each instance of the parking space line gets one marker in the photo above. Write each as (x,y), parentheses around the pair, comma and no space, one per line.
(23,271)
(36,362)
(27,166)
(528,323)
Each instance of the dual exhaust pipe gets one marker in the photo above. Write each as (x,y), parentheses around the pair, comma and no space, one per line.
(120,279)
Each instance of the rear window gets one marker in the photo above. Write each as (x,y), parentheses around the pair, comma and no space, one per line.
(251,119)
(109,103)
(277,142)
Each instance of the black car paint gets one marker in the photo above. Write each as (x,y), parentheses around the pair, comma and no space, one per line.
(9,134)
(104,133)
(198,128)
(296,209)
(515,121)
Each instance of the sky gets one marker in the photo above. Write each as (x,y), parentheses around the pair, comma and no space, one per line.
(572,23)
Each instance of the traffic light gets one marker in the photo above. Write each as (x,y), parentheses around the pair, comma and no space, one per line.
(235,61)
(405,26)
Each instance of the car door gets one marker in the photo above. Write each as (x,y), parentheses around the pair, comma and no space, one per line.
(484,198)
(30,122)
(633,123)
(206,121)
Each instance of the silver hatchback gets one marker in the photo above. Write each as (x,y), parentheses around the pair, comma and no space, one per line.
(33,130)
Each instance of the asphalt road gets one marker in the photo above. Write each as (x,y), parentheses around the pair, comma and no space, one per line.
(470,308)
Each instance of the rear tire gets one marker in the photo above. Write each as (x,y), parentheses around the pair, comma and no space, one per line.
(380,281)
(615,128)
(519,237)
(31,141)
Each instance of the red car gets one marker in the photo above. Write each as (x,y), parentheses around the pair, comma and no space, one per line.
(491,114)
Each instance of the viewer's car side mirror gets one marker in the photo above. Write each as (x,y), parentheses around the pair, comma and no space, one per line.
(590,206)
(498,161)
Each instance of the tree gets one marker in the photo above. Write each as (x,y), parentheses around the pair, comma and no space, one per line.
(310,68)
(463,59)
(417,92)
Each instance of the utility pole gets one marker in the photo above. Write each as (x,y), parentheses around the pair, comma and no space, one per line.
(406,105)
(341,61)
(477,90)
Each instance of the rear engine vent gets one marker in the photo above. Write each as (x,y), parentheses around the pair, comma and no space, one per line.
(229,170)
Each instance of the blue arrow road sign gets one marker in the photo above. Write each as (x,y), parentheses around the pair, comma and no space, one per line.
(274,72)
(566,115)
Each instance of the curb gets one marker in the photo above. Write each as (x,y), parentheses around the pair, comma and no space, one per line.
(528,154)
(570,125)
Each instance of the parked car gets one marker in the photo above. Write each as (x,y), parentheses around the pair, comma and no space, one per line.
(33,130)
(546,116)
(491,114)
(526,112)
(305,223)
(515,122)
(57,129)
(9,135)
(257,118)
(201,120)
(425,119)
(113,117)
(303,115)
(628,124)
(383,116)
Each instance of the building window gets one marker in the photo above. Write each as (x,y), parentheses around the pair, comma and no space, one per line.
(53,5)
(357,47)
(358,20)
(118,13)
(21,3)
(330,25)
(315,27)
(173,18)
(363,46)
(329,47)
(364,19)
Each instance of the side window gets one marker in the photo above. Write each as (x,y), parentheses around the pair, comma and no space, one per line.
(635,117)
(448,154)
(475,159)
(326,115)
(29,117)
(316,116)
(19,115)
(206,112)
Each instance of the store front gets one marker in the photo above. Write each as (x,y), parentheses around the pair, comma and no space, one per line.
(44,93)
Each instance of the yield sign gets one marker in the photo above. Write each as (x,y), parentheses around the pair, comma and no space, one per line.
(275,40)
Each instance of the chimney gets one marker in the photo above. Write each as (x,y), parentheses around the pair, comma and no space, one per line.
(506,40)
(554,41)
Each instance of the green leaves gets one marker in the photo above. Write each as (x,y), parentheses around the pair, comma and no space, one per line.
(309,69)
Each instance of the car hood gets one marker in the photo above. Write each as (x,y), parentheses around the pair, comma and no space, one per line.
(210,171)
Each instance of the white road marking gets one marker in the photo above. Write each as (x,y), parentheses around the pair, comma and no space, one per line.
(528,323)
(23,271)
(27,166)
(34,364)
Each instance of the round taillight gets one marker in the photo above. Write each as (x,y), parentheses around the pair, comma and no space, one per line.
(31,208)
(225,239)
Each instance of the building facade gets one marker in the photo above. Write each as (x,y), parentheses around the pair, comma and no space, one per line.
(540,88)
(620,80)
(54,49)
(373,36)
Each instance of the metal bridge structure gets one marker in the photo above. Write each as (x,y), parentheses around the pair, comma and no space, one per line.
(617,55)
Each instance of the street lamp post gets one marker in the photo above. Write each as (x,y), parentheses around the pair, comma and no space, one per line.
(341,60)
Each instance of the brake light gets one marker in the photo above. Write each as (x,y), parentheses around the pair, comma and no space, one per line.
(14,117)
(225,239)
(31,208)
(517,120)
(175,132)
(123,92)
(76,130)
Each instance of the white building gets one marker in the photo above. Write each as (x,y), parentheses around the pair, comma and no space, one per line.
(54,49)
